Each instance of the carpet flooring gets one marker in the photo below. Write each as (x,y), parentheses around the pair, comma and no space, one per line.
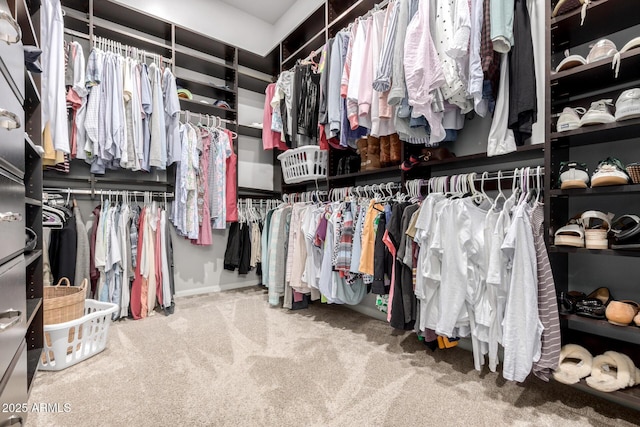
(228,359)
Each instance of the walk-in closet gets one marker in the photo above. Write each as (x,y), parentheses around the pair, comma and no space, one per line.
(319,212)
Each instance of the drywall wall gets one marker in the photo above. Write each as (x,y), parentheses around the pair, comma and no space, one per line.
(227,23)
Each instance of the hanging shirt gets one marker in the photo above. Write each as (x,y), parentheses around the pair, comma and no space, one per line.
(54,111)
(232,183)
(158,147)
(172,116)
(147,108)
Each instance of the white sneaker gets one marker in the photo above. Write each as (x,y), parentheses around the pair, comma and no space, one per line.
(569,119)
(628,105)
(599,113)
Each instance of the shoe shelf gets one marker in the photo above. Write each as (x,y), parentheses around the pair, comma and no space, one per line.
(628,397)
(594,77)
(629,334)
(610,252)
(478,159)
(597,134)
(610,190)
(604,17)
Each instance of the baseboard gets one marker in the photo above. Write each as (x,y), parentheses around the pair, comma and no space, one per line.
(214,289)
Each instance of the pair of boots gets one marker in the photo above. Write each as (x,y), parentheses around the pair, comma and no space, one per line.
(376,153)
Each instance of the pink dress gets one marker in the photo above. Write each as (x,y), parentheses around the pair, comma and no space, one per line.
(270,139)
(205,237)
(232,183)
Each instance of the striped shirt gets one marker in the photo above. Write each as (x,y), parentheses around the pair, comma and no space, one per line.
(382,80)
(547,304)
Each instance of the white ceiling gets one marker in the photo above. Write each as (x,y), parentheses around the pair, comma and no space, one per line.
(267,10)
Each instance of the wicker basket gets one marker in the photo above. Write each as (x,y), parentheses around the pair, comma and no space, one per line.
(633,169)
(63,303)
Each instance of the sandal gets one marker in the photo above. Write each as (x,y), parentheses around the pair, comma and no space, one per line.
(596,234)
(626,232)
(570,235)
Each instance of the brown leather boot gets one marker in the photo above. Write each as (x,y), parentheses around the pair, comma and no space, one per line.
(373,153)
(385,151)
(362,150)
(396,149)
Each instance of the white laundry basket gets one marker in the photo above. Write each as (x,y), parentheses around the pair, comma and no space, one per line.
(66,344)
(305,163)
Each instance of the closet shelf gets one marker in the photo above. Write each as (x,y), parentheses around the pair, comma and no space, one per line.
(131,17)
(32,202)
(32,94)
(32,257)
(31,147)
(316,41)
(359,8)
(249,131)
(203,63)
(597,134)
(629,334)
(251,83)
(249,192)
(382,173)
(478,159)
(33,305)
(610,252)
(110,31)
(202,108)
(604,17)
(25,21)
(629,397)
(204,88)
(610,190)
(594,77)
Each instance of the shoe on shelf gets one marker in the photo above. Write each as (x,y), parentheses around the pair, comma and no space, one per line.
(609,172)
(569,119)
(596,227)
(621,313)
(568,300)
(628,105)
(573,175)
(595,304)
(571,234)
(598,113)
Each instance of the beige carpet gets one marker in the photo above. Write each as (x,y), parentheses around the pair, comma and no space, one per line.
(228,359)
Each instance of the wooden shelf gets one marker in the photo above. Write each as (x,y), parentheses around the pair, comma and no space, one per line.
(32,202)
(382,172)
(604,17)
(359,8)
(131,18)
(32,309)
(251,83)
(204,64)
(128,37)
(597,134)
(250,131)
(252,192)
(610,190)
(303,33)
(31,146)
(610,252)
(194,40)
(203,88)
(314,43)
(629,397)
(594,77)
(629,334)
(479,159)
(32,257)
(23,15)
(202,108)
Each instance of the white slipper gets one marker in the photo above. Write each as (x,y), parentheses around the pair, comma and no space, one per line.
(569,371)
(612,371)
(570,235)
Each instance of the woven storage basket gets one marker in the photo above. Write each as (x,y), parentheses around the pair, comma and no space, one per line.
(63,303)
(633,169)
